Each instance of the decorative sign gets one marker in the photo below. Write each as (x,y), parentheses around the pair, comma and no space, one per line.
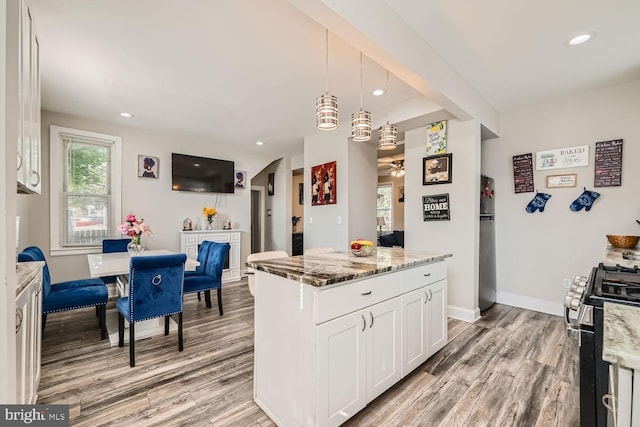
(523,173)
(436,207)
(571,157)
(608,170)
(324,185)
(559,181)
(437,138)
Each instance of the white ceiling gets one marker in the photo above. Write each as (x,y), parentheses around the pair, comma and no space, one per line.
(246,70)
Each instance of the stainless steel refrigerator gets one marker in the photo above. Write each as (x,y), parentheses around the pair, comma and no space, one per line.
(487,285)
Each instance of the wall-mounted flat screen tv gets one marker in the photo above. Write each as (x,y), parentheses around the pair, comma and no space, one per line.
(201,174)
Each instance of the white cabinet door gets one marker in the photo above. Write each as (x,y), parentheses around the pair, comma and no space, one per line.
(383,346)
(341,369)
(414,329)
(23,341)
(36,333)
(436,316)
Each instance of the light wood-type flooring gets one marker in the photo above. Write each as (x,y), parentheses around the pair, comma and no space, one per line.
(511,368)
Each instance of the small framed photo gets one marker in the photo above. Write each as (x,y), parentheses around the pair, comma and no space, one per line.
(301,193)
(240,179)
(271,183)
(560,181)
(437,169)
(148,166)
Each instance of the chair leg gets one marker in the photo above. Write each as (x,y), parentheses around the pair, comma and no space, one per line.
(44,322)
(207,298)
(97,311)
(120,330)
(180,346)
(220,301)
(166,325)
(132,350)
(103,320)
(199,299)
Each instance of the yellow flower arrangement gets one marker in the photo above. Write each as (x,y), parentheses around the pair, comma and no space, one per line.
(209,213)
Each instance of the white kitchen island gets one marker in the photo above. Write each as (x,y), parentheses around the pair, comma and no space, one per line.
(334,331)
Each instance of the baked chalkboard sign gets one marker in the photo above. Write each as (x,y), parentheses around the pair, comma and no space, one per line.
(523,173)
(608,169)
(436,207)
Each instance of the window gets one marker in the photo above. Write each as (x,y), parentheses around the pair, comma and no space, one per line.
(85,189)
(385,207)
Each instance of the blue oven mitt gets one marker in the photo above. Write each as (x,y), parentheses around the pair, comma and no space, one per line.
(538,202)
(585,200)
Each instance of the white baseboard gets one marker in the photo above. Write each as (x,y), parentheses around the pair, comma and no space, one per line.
(529,303)
(463,314)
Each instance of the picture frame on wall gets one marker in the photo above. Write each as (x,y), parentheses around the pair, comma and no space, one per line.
(437,169)
(271,183)
(562,181)
(240,180)
(301,193)
(324,185)
(436,138)
(148,166)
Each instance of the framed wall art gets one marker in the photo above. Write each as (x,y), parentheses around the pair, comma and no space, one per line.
(561,181)
(324,189)
(148,166)
(436,207)
(437,138)
(437,169)
(570,157)
(240,178)
(271,183)
(301,193)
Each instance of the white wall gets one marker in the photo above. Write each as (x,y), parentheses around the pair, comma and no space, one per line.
(536,251)
(459,235)
(163,209)
(277,232)
(362,184)
(321,228)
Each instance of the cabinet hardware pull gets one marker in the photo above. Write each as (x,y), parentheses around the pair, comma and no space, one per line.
(364,323)
(427,274)
(366,293)
(371,325)
(19,316)
(37,176)
(426,296)
(20,159)
(430,294)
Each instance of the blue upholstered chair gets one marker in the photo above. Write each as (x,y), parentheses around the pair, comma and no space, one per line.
(155,290)
(208,276)
(68,295)
(111,246)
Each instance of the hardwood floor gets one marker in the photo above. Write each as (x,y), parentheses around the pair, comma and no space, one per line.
(511,368)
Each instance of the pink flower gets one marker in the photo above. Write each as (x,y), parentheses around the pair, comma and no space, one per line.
(134,227)
(131,218)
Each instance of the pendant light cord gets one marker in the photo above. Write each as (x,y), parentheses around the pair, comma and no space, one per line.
(361,80)
(327,56)
(387,96)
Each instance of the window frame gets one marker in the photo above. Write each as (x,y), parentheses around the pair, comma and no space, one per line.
(57,170)
(391,210)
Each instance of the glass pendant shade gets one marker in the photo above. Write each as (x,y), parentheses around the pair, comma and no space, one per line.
(361,125)
(388,137)
(327,112)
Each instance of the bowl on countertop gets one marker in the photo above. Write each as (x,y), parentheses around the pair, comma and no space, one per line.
(363,251)
(623,242)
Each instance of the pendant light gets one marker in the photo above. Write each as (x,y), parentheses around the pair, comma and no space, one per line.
(327,105)
(388,132)
(361,120)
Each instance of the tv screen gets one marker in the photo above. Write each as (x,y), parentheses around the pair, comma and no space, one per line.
(201,174)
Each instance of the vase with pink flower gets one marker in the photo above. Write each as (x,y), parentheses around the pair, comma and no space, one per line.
(134,228)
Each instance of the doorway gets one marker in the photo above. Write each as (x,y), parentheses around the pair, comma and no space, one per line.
(257,219)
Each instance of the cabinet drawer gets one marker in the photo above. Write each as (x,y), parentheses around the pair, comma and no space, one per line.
(341,300)
(215,237)
(423,275)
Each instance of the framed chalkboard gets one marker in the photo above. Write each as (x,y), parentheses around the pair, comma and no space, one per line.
(436,207)
(523,173)
(608,164)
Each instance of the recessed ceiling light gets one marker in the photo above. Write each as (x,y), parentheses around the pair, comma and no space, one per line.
(377,92)
(126,115)
(259,143)
(580,39)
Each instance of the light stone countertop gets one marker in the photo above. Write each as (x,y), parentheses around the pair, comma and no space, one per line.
(25,273)
(613,256)
(621,338)
(334,267)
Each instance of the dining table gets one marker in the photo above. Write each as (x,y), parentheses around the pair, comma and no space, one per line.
(118,264)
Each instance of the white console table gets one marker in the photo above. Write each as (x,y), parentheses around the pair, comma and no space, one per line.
(190,240)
